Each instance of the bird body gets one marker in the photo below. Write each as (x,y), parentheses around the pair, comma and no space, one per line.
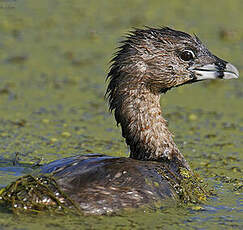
(103,184)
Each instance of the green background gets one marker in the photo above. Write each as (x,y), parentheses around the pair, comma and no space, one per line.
(54,56)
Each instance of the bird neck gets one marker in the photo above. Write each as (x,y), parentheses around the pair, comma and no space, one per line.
(145,130)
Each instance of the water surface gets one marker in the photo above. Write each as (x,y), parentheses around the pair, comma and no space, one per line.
(53,62)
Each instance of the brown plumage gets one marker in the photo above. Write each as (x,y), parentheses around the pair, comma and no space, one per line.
(149,62)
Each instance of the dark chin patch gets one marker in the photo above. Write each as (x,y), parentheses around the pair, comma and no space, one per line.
(164,90)
(192,80)
(189,82)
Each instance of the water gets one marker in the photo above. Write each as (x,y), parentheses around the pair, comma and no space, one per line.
(53,62)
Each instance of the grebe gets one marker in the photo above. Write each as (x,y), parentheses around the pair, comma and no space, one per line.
(149,62)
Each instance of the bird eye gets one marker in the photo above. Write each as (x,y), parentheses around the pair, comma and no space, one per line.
(187,55)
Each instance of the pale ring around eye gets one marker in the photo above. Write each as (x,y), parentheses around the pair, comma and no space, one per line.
(187,55)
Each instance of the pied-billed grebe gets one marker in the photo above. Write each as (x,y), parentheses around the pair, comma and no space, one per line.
(149,62)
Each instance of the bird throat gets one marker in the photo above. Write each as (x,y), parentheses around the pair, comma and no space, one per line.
(145,130)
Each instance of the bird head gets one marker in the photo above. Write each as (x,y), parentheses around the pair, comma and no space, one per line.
(163,58)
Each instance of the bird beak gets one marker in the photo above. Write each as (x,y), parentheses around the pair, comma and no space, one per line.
(214,71)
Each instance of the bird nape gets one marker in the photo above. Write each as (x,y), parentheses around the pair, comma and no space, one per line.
(149,62)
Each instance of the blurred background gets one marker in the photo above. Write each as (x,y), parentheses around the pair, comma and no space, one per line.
(54,57)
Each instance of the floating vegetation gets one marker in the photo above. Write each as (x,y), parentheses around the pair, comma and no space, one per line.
(36,195)
(192,188)
(189,187)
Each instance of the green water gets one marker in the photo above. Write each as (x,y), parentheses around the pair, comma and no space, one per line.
(53,62)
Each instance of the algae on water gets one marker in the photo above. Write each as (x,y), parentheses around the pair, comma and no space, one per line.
(36,195)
